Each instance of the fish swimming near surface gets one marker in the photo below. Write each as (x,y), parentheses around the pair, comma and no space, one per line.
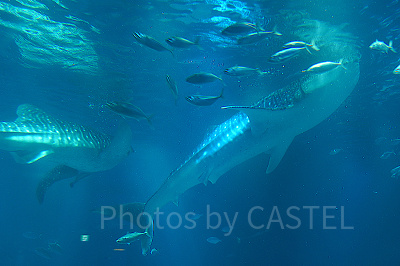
(172,86)
(150,42)
(128,110)
(382,47)
(239,28)
(202,100)
(286,55)
(35,135)
(202,77)
(268,126)
(324,67)
(241,71)
(179,42)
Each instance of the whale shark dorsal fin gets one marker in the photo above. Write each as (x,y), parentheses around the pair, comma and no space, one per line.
(277,154)
(27,112)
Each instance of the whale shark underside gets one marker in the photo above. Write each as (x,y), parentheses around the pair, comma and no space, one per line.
(270,125)
(77,150)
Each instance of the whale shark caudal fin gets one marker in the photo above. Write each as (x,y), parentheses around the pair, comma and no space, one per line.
(58,173)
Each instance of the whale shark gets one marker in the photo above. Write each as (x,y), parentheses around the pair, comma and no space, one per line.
(270,125)
(76,149)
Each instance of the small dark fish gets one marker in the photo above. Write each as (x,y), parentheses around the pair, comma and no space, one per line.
(202,100)
(286,54)
(179,42)
(150,42)
(128,110)
(201,78)
(256,37)
(173,87)
(239,28)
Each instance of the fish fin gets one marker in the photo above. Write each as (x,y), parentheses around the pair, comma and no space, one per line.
(58,173)
(341,64)
(308,50)
(79,177)
(276,32)
(30,157)
(147,238)
(221,95)
(277,154)
(391,47)
(314,46)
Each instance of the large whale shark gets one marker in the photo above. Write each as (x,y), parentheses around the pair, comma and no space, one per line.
(270,125)
(77,150)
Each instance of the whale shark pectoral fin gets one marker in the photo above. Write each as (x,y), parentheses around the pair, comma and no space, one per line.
(58,173)
(30,157)
(277,154)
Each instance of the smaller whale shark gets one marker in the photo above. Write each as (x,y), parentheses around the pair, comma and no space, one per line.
(77,150)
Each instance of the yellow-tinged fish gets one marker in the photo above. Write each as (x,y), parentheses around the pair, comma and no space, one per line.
(324,67)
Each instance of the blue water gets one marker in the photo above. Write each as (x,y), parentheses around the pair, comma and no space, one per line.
(71,57)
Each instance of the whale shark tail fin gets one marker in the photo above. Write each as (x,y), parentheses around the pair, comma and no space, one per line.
(58,173)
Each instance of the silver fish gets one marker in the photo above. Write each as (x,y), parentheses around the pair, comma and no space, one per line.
(286,54)
(324,67)
(256,37)
(240,71)
(382,47)
(299,44)
(239,28)
(131,237)
(172,86)
(179,42)
(150,42)
(128,110)
(202,77)
(202,100)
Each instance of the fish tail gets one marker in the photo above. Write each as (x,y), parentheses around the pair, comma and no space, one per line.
(275,31)
(341,63)
(197,40)
(314,46)
(58,173)
(391,47)
(221,94)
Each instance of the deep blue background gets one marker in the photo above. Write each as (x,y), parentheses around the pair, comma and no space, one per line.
(356,177)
